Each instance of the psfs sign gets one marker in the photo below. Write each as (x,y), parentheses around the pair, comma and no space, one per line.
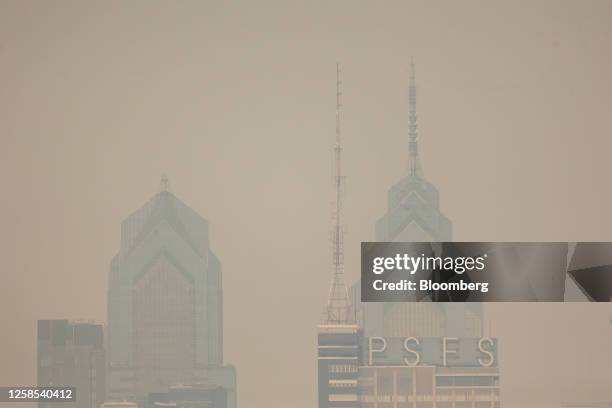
(430,351)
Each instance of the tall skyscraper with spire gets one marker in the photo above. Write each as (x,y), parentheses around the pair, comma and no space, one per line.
(362,360)
(338,337)
(413,215)
(413,208)
(165,303)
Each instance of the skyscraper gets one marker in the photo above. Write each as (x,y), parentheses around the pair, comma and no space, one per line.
(165,302)
(413,215)
(72,354)
(414,354)
(413,208)
(422,354)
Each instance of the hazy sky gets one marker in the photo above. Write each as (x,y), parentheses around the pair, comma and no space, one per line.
(235,102)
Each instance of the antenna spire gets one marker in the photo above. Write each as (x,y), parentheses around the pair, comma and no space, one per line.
(338,309)
(164,184)
(413,148)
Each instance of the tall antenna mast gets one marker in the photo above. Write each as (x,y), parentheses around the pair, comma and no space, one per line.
(413,148)
(338,304)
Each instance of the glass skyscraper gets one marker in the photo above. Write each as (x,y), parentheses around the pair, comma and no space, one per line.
(165,303)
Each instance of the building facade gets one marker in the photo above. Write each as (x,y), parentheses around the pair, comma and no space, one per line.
(431,372)
(415,372)
(338,365)
(72,354)
(165,303)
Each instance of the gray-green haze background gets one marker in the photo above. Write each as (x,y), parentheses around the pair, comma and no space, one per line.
(235,102)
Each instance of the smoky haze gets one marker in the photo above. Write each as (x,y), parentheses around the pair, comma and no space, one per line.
(235,102)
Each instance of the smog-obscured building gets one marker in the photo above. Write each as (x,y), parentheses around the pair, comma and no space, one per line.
(413,215)
(434,372)
(72,354)
(165,303)
(421,354)
(338,365)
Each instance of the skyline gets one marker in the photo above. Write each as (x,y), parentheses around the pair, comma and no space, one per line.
(242,121)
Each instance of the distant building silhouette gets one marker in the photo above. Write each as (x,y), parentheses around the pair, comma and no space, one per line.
(165,303)
(413,208)
(72,354)
(413,215)
(420,354)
